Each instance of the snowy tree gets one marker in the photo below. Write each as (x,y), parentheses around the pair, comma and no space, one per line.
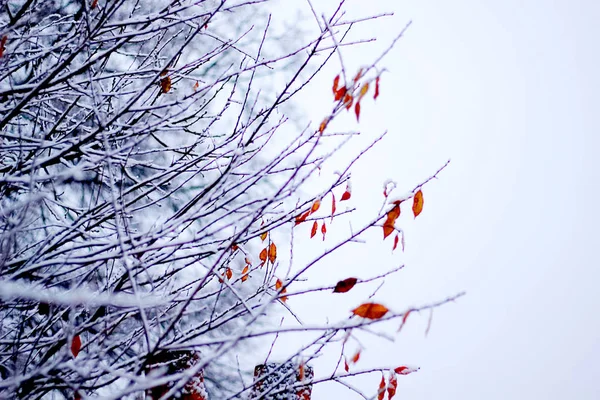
(146,163)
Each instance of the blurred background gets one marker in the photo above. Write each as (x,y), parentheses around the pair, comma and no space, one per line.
(509,91)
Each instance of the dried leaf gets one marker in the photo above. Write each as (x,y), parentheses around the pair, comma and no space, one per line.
(234,247)
(346,367)
(356,357)
(363,91)
(278,286)
(340,93)
(313,231)
(75,345)
(263,255)
(395,242)
(263,236)
(406,314)
(94,4)
(302,218)
(358,75)
(165,84)
(336,82)
(392,385)
(388,228)
(2,44)
(381,392)
(345,285)
(357,111)
(404,370)
(272,252)
(301,372)
(196,86)
(332,206)
(315,206)
(417,203)
(323,125)
(323,230)
(244,273)
(370,310)
(348,100)
(394,213)
(376,89)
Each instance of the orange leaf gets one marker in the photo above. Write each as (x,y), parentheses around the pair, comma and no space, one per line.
(388,228)
(263,236)
(313,231)
(356,357)
(315,206)
(358,75)
(395,242)
(248,261)
(94,4)
(376,89)
(332,206)
(348,100)
(394,213)
(417,203)
(393,384)
(323,125)
(228,273)
(381,392)
(302,218)
(301,372)
(345,285)
(336,81)
(75,345)
(370,310)
(278,286)
(340,93)
(323,230)
(196,85)
(272,252)
(357,111)
(165,84)
(363,90)
(263,255)
(244,273)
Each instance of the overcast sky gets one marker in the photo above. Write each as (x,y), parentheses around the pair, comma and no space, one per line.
(508,90)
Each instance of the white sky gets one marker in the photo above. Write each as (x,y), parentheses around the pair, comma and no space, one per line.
(509,90)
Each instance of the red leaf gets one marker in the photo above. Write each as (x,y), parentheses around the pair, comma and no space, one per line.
(313,231)
(332,206)
(370,310)
(302,218)
(395,242)
(392,385)
(358,75)
(376,89)
(345,196)
(336,81)
(404,370)
(417,203)
(346,367)
(340,93)
(75,345)
(94,4)
(348,100)
(381,391)
(234,247)
(345,285)
(323,230)
(2,43)
(357,110)
(356,357)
